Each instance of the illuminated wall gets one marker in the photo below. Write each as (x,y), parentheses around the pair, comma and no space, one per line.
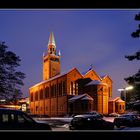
(50,97)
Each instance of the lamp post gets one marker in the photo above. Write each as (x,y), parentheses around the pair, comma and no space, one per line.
(125,90)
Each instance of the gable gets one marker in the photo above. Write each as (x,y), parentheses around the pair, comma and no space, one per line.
(92,75)
(107,79)
(74,74)
(80,97)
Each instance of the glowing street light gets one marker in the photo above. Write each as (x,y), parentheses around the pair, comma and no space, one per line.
(126,89)
(2,100)
(129,88)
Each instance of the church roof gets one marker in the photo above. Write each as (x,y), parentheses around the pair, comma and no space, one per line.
(120,100)
(95,82)
(81,97)
(90,70)
(117,99)
(57,76)
(103,76)
(84,73)
(87,98)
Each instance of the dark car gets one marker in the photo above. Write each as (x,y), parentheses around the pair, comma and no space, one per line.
(127,120)
(11,119)
(113,115)
(95,113)
(89,122)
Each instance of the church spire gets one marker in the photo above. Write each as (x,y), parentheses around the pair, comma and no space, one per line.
(51,61)
(51,40)
(51,44)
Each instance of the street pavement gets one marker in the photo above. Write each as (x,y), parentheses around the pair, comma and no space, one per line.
(62,124)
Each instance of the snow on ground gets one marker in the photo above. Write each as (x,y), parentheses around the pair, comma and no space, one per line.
(110,119)
(54,118)
(62,124)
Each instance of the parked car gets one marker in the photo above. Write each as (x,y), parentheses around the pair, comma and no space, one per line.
(95,113)
(89,122)
(113,115)
(127,120)
(11,119)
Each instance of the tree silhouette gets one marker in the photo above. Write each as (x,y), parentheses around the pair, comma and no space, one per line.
(136,34)
(135,79)
(10,78)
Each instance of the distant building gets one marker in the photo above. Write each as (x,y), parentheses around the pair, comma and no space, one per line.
(71,92)
(21,104)
(24,104)
(116,105)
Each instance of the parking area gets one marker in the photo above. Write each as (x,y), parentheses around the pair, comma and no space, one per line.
(62,124)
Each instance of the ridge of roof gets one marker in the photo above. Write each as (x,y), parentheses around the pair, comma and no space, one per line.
(80,97)
(95,82)
(52,78)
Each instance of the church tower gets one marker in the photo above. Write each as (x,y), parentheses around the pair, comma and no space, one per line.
(51,61)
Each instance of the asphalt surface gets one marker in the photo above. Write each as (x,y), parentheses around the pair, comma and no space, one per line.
(62,124)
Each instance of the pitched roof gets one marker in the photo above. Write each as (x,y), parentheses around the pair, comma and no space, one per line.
(120,100)
(91,70)
(80,97)
(103,76)
(95,82)
(117,99)
(57,76)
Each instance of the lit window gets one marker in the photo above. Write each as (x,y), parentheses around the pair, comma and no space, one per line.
(4,117)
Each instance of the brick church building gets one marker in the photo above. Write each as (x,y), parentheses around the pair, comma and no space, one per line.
(72,92)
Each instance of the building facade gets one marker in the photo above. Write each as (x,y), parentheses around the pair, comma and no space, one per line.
(72,92)
(116,105)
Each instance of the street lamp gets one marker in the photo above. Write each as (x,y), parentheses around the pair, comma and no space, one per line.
(124,92)
(126,89)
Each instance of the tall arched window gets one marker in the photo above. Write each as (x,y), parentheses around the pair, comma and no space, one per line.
(41,94)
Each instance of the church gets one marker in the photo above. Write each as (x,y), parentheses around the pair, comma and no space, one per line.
(72,92)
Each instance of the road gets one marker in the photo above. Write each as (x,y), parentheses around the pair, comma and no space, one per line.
(62,124)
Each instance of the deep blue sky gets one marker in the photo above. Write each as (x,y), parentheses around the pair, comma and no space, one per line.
(101,37)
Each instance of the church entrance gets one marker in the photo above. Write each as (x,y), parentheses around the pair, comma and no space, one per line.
(80,104)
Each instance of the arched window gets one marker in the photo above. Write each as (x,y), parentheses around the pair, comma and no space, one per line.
(47,92)
(31,97)
(36,96)
(41,94)
(120,107)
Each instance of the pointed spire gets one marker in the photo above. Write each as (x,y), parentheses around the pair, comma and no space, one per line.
(51,40)
(51,45)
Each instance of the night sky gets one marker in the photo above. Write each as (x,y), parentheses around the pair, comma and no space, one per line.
(84,37)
